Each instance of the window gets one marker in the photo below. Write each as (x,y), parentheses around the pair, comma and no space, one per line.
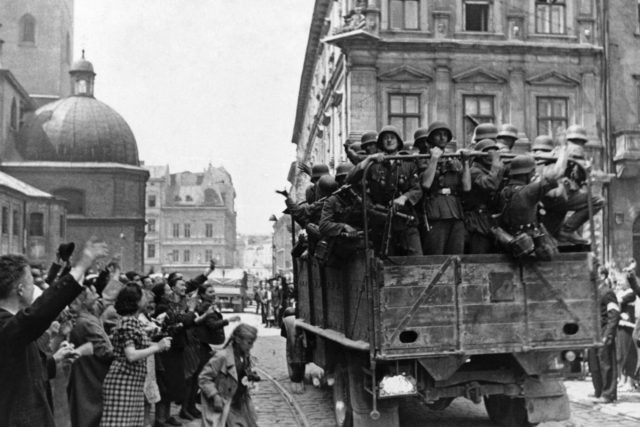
(404,14)
(74,199)
(208,230)
(14,123)
(151,226)
(208,254)
(189,198)
(404,113)
(16,223)
(552,115)
(477,109)
(67,49)
(550,16)
(175,255)
(151,250)
(62,226)
(212,198)
(36,224)
(187,255)
(476,15)
(176,230)
(151,201)
(27,29)
(187,230)
(5,220)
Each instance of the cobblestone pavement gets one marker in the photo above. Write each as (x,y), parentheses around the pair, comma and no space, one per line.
(316,403)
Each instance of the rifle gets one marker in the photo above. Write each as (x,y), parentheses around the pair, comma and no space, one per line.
(376,209)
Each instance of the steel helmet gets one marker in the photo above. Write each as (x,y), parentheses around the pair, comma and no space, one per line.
(343,169)
(486,145)
(420,133)
(326,185)
(521,164)
(508,131)
(393,130)
(439,126)
(319,170)
(542,143)
(356,146)
(577,133)
(369,137)
(485,131)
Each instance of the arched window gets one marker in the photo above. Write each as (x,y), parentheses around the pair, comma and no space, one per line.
(74,199)
(27,29)
(14,115)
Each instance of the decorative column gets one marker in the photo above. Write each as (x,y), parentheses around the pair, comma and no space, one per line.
(517,95)
(362,102)
(444,101)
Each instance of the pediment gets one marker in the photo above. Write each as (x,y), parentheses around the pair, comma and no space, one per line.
(405,73)
(479,75)
(553,78)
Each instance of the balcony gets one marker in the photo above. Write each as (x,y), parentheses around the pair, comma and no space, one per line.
(627,155)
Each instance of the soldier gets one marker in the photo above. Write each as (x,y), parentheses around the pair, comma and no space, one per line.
(577,197)
(485,131)
(367,143)
(486,177)
(393,184)
(443,182)
(520,197)
(507,137)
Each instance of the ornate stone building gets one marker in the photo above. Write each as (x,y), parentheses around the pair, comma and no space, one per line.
(82,151)
(38,45)
(540,65)
(191,219)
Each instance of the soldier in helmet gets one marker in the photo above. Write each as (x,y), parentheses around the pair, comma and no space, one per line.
(392,183)
(485,131)
(507,137)
(443,182)
(368,142)
(577,197)
(519,200)
(486,177)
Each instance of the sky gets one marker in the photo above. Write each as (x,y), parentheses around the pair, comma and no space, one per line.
(204,81)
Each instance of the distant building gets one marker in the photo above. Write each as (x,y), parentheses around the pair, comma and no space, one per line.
(281,241)
(191,219)
(255,254)
(82,151)
(38,45)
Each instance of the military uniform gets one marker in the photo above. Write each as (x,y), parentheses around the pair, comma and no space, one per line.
(442,206)
(338,211)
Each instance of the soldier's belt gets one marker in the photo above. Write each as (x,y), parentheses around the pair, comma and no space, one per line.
(446,192)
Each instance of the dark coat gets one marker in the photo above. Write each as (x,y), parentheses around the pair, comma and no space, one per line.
(23,399)
(211,330)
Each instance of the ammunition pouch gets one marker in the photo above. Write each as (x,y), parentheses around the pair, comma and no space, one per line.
(545,246)
(323,251)
(518,246)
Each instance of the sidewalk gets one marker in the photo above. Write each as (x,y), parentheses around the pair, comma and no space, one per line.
(628,403)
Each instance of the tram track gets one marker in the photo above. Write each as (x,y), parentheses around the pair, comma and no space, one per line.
(296,410)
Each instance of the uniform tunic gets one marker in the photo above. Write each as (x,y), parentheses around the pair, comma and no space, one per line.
(123,388)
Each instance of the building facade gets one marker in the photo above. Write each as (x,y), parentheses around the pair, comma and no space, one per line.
(539,65)
(38,45)
(282,245)
(255,255)
(191,219)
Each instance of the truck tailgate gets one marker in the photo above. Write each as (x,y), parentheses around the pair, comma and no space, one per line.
(476,304)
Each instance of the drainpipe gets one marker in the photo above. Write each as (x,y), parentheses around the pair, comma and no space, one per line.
(607,241)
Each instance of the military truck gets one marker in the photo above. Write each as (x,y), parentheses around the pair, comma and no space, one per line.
(484,327)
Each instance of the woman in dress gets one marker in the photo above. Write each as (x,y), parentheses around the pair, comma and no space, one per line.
(123,388)
(225,382)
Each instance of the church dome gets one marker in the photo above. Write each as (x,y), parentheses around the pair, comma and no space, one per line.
(78,129)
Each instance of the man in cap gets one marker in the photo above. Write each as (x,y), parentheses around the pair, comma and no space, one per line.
(507,137)
(486,177)
(485,131)
(443,182)
(394,183)
(577,197)
(519,199)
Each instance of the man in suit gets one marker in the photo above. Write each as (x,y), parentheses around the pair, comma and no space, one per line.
(23,395)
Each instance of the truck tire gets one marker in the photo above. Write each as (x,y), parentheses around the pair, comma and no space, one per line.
(341,399)
(507,411)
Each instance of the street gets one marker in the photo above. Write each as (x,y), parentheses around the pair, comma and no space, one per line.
(277,405)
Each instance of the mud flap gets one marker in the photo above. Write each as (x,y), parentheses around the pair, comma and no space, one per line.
(546,400)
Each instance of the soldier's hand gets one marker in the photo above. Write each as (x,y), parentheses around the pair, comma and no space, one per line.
(349,229)
(494,156)
(285,193)
(436,152)
(304,168)
(400,201)
(464,154)
(378,157)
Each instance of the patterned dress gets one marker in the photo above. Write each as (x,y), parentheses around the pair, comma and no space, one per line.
(123,388)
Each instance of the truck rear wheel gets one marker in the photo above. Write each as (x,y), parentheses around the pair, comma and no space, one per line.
(507,411)
(341,398)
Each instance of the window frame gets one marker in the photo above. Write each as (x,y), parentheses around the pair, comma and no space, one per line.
(175,230)
(551,6)
(15,223)
(151,225)
(488,24)
(404,115)
(186,256)
(36,224)
(27,19)
(5,220)
(151,250)
(551,119)
(152,201)
(187,230)
(483,118)
(208,229)
(404,27)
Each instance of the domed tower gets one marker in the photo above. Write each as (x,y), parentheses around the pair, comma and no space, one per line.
(81,150)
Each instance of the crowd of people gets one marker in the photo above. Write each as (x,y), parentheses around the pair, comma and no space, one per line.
(134,345)
(430,199)
(272,297)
